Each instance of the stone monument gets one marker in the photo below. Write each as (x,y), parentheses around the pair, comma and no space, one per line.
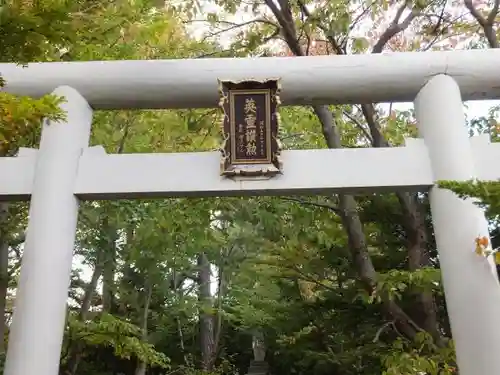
(258,366)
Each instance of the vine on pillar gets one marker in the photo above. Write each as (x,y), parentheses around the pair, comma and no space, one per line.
(487,196)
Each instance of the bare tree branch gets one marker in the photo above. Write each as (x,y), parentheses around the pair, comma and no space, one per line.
(381,329)
(475,13)
(329,35)
(305,277)
(371,119)
(486,23)
(214,53)
(359,125)
(396,27)
(311,203)
(360,16)
(234,26)
(494,12)
(287,28)
(18,240)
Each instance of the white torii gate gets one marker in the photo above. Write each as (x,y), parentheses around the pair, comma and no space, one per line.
(64,170)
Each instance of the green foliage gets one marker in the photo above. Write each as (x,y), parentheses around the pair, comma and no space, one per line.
(28,26)
(123,337)
(225,367)
(395,282)
(485,193)
(20,118)
(420,356)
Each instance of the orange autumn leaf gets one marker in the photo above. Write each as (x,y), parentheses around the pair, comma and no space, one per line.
(481,245)
(482,241)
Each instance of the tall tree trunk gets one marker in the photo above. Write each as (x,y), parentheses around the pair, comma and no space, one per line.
(347,204)
(4,271)
(424,313)
(356,237)
(4,285)
(206,317)
(76,348)
(142,366)
(177,280)
(108,279)
(109,266)
(221,286)
(109,242)
(181,338)
(90,291)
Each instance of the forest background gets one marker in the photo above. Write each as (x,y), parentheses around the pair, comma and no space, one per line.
(338,285)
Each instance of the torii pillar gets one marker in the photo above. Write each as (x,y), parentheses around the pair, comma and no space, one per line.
(36,334)
(470,282)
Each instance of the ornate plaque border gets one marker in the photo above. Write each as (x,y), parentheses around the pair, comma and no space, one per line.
(247,167)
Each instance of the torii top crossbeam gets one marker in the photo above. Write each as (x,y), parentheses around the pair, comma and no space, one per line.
(192,83)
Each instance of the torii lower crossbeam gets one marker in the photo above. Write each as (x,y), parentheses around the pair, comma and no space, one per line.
(308,172)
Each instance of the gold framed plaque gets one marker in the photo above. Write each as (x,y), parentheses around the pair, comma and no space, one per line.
(250,128)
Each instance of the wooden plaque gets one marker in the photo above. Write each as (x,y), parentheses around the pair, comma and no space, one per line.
(250,128)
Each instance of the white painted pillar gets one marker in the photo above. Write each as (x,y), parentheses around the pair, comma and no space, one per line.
(40,307)
(471,288)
